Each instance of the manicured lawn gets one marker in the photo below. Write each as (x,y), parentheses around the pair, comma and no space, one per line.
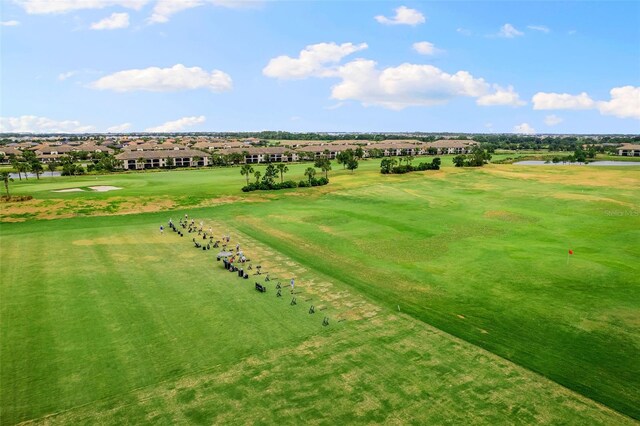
(102,319)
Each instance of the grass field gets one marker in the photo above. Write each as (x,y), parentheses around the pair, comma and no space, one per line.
(450,295)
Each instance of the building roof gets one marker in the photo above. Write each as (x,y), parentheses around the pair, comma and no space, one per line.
(630,146)
(258,150)
(168,153)
(9,150)
(452,143)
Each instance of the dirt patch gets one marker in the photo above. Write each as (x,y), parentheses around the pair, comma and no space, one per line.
(58,209)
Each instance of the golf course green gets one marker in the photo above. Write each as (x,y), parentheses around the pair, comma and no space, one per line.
(451,297)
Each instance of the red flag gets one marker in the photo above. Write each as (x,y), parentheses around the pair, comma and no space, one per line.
(570,251)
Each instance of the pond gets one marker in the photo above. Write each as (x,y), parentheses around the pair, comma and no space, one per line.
(595,163)
(31,175)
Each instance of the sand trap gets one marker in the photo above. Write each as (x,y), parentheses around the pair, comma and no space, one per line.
(104,188)
(70,190)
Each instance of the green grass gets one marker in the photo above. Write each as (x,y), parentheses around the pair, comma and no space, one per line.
(103,320)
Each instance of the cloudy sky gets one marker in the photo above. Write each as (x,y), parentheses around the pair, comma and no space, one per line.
(224,65)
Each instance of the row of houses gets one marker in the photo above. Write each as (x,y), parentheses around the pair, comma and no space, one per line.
(186,157)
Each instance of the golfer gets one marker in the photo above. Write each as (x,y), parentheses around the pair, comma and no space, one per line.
(292,285)
(161,228)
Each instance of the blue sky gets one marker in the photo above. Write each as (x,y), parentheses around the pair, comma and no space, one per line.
(229,65)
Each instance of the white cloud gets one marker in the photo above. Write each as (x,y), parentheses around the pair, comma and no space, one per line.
(113,22)
(524,129)
(165,8)
(36,7)
(172,79)
(12,23)
(34,124)
(403,86)
(65,75)
(393,87)
(552,120)
(545,101)
(177,125)
(501,96)
(425,48)
(509,31)
(311,61)
(403,16)
(540,28)
(463,31)
(119,128)
(624,103)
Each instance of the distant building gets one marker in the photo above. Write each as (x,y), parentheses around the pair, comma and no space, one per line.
(629,150)
(452,146)
(6,152)
(138,160)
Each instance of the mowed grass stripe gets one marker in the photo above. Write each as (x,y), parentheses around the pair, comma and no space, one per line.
(387,369)
(116,309)
(499,280)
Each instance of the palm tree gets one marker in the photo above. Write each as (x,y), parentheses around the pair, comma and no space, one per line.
(6,178)
(196,160)
(282,168)
(52,167)
(16,166)
(326,166)
(310,173)
(409,158)
(23,167)
(36,167)
(246,170)
(257,175)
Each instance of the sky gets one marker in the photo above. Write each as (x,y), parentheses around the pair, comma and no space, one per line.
(327,66)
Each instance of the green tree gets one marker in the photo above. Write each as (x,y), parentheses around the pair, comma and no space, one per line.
(29,156)
(310,173)
(408,159)
(359,153)
(23,167)
(6,178)
(36,167)
(270,174)
(323,164)
(169,162)
(282,168)
(387,164)
(15,163)
(257,175)
(51,166)
(352,164)
(344,157)
(246,170)
(458,160)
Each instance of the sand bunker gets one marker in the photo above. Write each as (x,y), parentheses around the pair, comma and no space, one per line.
(70,190)
(104,188)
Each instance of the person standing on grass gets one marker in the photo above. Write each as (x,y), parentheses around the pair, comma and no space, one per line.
(161,229)
(292,285)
